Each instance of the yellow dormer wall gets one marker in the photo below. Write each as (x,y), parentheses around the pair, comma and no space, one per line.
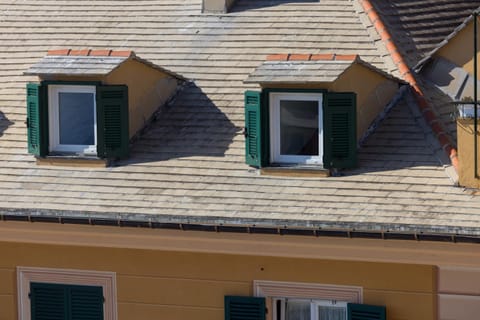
(148,89)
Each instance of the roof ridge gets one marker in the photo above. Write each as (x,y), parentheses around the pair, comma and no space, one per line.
(91,52)
(312,57)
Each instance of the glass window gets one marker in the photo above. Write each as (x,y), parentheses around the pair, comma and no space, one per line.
(296,128)
(72,119)
(307,309)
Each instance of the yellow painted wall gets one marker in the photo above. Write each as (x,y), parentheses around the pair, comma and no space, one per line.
(459,50)
(148,89)
(465,143)
(373,90)
(156,284)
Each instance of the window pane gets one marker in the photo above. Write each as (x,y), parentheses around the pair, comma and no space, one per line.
(77,118)
(299,128)
(331,313)
(297,310)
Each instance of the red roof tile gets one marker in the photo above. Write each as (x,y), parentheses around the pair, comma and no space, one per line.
(312,57)
(89,52)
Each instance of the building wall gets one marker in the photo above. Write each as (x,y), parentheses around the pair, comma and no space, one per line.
(156,284)
(466,152)
(463,57)
(148,89)
(374,92)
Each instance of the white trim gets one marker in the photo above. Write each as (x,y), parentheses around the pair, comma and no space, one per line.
(274,108)
(53,119)
(106,280)
(303,290)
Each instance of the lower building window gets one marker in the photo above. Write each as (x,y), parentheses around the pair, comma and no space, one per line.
(72,119)
(46,294)
(305,309)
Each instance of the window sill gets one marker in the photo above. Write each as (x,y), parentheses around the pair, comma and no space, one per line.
(72,161)
(295,171)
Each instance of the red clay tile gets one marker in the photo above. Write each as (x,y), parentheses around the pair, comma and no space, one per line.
(100,52)
(84,52)
(58,52)
(121,53)
(346,57)
(316,57)
(278,57)
(299,57)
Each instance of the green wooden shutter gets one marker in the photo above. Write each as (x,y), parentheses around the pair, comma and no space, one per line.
(365,312)
(86,303)
(340,130)
(244,308)
(37,124)
(51,301)
(253,128)
(48,301)
(112,121)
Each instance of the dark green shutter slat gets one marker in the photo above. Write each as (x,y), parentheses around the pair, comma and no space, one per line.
(253,123)
(112,121)
(340,130)
(366,312)
(86,303)
(244,308)
(48,301)
(37,126)
(66,302)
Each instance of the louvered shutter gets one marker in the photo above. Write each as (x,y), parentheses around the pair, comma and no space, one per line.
(37,126)
(366,312)
(253,128)
(112,121)
(48,301)
(51,301)
(86,303)
(340,130)
(244,308)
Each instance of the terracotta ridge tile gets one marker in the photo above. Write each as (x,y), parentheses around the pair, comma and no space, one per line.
(58,52)
(91,52)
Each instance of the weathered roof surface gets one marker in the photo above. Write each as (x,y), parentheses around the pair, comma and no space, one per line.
(189,166)
(419,26)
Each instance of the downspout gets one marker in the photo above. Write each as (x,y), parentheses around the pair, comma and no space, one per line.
(475,94)
(408,76)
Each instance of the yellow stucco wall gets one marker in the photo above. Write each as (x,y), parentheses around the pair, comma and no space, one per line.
(148,89)
(155,284)
(463,41)
(465,142)
(373,90)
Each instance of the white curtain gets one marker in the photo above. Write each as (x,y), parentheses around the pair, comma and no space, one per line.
(331,313)
(298,310)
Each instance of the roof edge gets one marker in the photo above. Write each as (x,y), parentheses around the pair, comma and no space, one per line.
(352,229)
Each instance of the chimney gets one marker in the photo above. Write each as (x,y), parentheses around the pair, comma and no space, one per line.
(216,6)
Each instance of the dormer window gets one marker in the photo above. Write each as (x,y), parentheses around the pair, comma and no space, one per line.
(312,110)
(90,103)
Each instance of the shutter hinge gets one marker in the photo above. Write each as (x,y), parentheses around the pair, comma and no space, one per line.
(29,295)
(103,299)
(27,123)
(245,132)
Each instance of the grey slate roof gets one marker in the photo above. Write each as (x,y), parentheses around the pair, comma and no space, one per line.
(75,65)
(419,26)
(189,166)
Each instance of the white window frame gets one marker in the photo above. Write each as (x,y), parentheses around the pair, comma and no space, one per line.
(316,292)
(314,304)
(54,119)
(106,280)
(276,156)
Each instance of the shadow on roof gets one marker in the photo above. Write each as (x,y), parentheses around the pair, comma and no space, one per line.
(244,5)
(192,126)
(398,143)
(4,123)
